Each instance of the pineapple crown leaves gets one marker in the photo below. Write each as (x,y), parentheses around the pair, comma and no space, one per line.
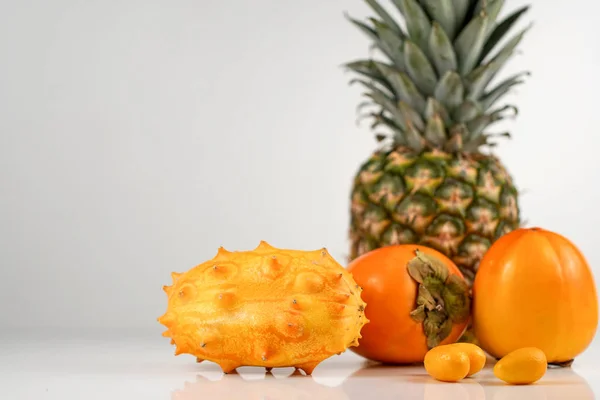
(433,89)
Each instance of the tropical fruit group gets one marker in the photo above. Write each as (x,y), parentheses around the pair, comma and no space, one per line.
(433,94)
(267,307)
(416,298)
(535,288)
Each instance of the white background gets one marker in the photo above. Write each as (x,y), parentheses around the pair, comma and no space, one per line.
(138,136)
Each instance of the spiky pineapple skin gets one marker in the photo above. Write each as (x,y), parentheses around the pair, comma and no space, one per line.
(266,307)
(457,205)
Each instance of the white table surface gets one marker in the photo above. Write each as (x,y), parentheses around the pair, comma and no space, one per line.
(44,365)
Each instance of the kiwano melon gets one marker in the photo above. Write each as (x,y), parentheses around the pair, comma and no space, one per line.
(266,307)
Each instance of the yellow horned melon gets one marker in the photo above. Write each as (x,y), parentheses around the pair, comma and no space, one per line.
(267,307)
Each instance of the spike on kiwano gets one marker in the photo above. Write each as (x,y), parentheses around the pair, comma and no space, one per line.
(265,307)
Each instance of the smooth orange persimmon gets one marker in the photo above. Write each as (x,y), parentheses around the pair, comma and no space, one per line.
(534,288)
(417,299)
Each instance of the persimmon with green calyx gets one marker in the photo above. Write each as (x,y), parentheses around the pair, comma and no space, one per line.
(417,298)
(534,288)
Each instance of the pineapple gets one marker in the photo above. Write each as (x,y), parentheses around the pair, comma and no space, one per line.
(432,92)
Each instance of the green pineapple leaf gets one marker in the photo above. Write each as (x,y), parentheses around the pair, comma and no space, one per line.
(385,103)
(469,43)
(365,67)
(461,8)
(441,50)
(368,68)
(382,119)
(498,112)
(364,104)
(411,133)
(474,144)
(450,90)
(373,87)
(411,116)
(442,11)
(364,28)
(507,51)
(501,89)
(492,8)
(419,68)
(400,6)
(404,88)
(509,47)
(413,139)
(467,111)
(390,43)
(500,30)
(478,79)
(481,77)
(380,97)
(386,17)
(435,132)
(458,134)
(501,134)
(478,124)
(364,116)
(380,137)
(434,107)
(493,11)
(417,22)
